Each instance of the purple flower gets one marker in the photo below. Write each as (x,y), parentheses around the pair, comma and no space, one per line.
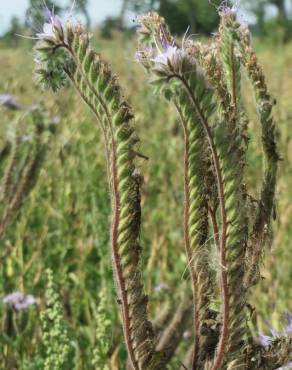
(170,53)
(264,340)
(275,333)
(287,330)
(138,56)
(18,301)
(9,101)
(53,29)
(288,318)
(226,10)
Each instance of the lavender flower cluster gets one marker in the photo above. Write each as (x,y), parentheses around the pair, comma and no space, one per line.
(18,301)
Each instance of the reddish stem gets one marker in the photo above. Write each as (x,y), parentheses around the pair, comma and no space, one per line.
(215,227)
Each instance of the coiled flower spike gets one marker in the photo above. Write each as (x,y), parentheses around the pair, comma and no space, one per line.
(63,53)
(187,86)
(175,75)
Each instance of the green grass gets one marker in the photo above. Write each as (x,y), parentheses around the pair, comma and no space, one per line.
(64,223)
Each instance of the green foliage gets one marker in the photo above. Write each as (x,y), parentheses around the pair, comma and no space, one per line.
(22,156)
(278,28)
(101,348)
(201,16)
(16,28)
(50,74)
(109,26)
(55,335)
(64,222)
(177,75)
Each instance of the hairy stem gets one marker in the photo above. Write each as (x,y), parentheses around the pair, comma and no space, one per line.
(214,223)
(223,269)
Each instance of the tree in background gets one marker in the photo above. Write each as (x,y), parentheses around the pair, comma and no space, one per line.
(282,17)
(81,7)
(113,23)
(37,13)
(258,9)
(16,28)
(123,11)
(264,25)
(280,5)
(201,16)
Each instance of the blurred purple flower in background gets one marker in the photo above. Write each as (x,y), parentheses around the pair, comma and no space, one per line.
(18,301)
(138,56)
(226,10)
(160,287)
(9,101)
(285,367)
(266,340)
(288,318)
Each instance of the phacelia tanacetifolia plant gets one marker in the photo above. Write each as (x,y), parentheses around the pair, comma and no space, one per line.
(203,83)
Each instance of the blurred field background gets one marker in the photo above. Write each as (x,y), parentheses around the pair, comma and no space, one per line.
(64,222)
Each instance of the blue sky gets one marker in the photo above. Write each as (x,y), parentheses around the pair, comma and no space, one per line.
(98,10)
